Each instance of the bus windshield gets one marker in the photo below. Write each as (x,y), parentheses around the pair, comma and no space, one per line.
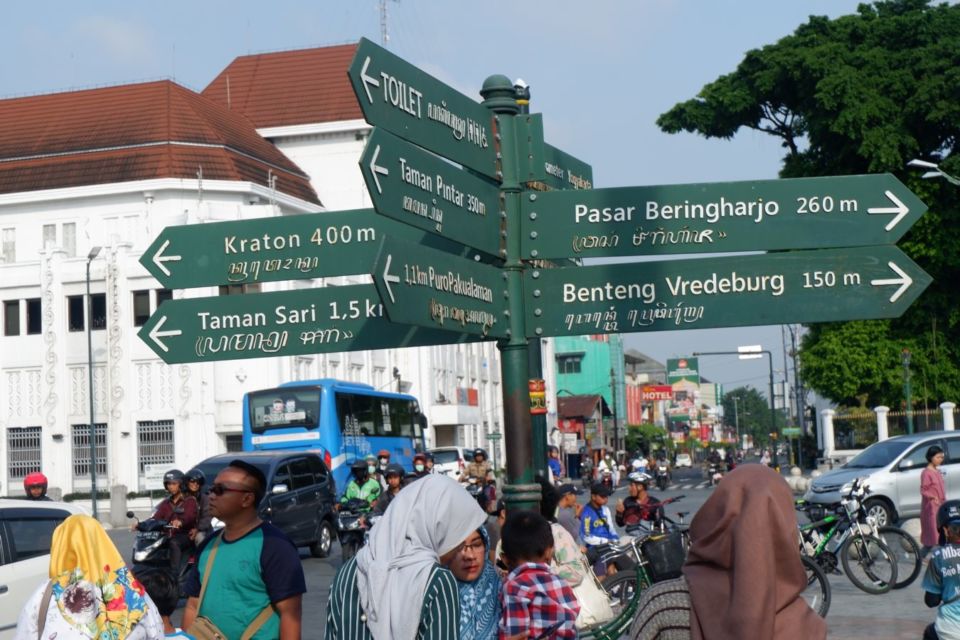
(284,408)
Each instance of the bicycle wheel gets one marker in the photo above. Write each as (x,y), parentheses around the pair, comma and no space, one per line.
(869,563)
(621,587)
(907,552)
(817,593)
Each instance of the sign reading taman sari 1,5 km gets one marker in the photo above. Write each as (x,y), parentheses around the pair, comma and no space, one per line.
(796,213)
(778,288)
(414,105)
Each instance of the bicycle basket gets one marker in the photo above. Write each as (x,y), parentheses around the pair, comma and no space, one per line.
(665,555)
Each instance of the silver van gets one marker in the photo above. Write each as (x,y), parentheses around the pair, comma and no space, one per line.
(892,469)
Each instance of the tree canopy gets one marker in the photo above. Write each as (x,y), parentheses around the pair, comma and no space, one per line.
(864,93)
(750,413)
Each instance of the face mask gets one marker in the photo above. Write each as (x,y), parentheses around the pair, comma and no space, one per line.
(371,469)
(418,467)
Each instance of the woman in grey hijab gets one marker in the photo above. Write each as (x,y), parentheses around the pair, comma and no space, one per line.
(396,586)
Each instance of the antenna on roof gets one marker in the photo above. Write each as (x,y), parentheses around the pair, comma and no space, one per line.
(384,35)
(272,185)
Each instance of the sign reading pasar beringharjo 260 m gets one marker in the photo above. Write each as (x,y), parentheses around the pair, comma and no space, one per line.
(799,286)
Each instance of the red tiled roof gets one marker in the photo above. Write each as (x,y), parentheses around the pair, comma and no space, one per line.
(289,87)
(580,406)
(134,132)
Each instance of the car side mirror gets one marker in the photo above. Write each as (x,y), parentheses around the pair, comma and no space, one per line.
(905,465)
(279,488)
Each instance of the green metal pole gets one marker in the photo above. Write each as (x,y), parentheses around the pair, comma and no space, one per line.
(906,389)
(773,415)
(519,492)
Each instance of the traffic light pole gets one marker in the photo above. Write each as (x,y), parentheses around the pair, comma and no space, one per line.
(520,492)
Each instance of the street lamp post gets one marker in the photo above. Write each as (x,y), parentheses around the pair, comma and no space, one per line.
(756,352)
(935,171)
(94,252)
(736,418)
(905,357)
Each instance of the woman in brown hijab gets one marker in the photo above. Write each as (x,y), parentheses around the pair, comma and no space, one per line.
(743,577)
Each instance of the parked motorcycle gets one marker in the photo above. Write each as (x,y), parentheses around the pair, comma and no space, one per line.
(352,526)
(151,550)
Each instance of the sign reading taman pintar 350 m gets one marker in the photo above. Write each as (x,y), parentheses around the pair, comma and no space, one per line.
(798,286)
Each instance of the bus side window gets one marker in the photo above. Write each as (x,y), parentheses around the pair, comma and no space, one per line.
(386,419)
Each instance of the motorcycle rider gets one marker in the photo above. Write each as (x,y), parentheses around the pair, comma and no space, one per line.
(383,461)
(35,486)
(180,510)
(639,505)
(195,481)
(479,468)
(361,485)
(393,476)
(373,470)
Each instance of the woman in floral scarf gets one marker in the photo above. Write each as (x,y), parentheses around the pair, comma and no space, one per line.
(91,592)
(479,587)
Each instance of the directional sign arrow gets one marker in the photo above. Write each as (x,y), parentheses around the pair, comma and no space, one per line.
(414,105)
(428,288)
(797,213)
(283,323)
(417,188)
(315,245)
(824,285)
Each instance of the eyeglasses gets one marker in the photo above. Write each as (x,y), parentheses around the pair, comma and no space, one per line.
(220,489)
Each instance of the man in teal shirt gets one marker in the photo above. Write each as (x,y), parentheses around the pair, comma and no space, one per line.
(248,575)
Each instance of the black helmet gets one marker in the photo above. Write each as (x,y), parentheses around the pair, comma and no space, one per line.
(359,467)
(480,452)
(394,470)
(195,475)
(174,475)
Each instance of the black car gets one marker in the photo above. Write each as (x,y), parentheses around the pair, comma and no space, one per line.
(300,494)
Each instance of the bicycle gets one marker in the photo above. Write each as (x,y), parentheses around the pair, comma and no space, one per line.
(853,541)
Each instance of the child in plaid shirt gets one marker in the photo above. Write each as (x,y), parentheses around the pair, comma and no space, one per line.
(536,603)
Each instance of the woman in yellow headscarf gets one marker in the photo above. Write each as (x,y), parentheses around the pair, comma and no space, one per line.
(91,592)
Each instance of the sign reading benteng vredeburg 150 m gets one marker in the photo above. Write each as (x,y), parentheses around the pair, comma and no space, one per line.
(797,213)
(798,286)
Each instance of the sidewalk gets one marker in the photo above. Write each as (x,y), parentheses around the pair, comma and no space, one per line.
(848,627)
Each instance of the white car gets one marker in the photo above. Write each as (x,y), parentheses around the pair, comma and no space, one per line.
(26,528)
(450,461)
(683,460)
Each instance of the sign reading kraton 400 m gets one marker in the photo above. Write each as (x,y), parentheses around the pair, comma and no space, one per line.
(798,286)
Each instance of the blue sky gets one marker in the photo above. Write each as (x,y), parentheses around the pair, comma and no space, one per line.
(600,72)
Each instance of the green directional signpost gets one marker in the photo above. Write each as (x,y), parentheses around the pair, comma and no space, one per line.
(564,171)
(413,186)
(429,288)
(414,105)
(314,245)
(283,323)
(797,213)
(799,286)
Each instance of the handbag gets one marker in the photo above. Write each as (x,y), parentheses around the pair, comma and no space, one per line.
(203,628)
(594,602)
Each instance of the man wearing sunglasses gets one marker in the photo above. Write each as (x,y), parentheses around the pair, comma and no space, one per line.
(255,581)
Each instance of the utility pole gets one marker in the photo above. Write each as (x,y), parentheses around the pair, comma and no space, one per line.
(616,422)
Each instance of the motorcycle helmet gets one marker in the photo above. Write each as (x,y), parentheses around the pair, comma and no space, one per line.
(195,475)
(35,479)
(480,452)
(174,475)
(359,469)
(383,453)
(394,470)
(639,477)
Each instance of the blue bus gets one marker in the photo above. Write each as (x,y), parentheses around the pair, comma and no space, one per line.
(342,420)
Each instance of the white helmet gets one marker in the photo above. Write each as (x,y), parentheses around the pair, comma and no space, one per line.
(640,478)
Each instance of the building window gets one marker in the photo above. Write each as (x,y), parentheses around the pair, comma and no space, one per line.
(11,317)
(75,313)
(239,289)
(34,319)
(569,364)
(155,443)
(163,295)
(49,236)
(23,451)
(81,449)
(234,442)
(141,308)
(70,239)
(98,311)
(8,245)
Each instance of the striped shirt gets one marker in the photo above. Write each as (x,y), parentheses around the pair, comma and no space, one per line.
(439,615)
(663,612)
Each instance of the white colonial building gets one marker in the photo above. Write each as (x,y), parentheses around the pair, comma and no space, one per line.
(273,135)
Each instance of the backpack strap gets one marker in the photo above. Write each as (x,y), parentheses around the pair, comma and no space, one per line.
(44,606)
(207,568)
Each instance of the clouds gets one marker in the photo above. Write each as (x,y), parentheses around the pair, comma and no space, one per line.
(117,39)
